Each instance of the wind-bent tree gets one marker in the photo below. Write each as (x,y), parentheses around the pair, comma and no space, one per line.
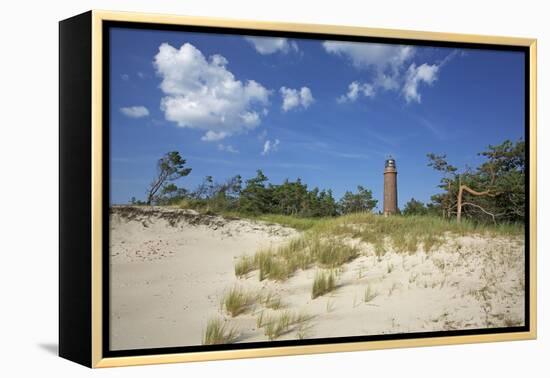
(169,168)
(456,184)
(496,189)
(446,201)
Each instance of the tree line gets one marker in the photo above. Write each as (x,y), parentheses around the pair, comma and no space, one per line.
(255,195)
(492,192)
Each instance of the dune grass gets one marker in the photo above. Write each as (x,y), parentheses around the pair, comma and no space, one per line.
(369,295)
(272,301)
(326,241)
(237,301)
(276,325)
(278,264)
(218,332)
(244,265)
(298,223)
(323,283)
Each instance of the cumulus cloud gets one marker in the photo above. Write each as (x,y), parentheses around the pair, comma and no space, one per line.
(203,94)
(425,73)
(354,90)
(293,98)
(270,146)
(135,111)
(271,45)
(227,148)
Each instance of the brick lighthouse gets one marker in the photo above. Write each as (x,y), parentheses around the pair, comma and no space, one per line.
(390,187)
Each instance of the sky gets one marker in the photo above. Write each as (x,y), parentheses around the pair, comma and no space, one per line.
(329,112)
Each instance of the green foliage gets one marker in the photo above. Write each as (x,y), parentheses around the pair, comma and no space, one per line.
(361,201)
(170,167)
(414,207)
(298,223)
(501,177)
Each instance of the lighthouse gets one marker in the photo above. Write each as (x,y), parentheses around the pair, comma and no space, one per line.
(390,187)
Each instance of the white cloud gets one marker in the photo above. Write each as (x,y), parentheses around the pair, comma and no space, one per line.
(355,89)
(203,94)
(227,148)
(293,98)
(365,55)
(271,45)
(425,73)
(212,136)
(270,146)
(388,65)
(125,77)
(135,111)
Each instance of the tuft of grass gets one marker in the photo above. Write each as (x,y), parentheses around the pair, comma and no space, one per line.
(324,282)
(272,301)
(431,242)
(271,266)
(369,295)
(300,253)
(331,253)
(279,324)
(236,301)
(260,320)
(218,332)
(244,265)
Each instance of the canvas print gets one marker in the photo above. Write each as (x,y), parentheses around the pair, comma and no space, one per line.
(272,188)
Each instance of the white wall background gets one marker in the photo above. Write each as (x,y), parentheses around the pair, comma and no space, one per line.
(29,174)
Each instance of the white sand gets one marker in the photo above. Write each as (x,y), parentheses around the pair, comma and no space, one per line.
(169,270)
(166,280)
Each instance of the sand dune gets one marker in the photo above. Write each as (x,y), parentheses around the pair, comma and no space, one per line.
(170,269)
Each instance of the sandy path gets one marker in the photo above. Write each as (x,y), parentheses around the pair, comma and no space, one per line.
(169,276)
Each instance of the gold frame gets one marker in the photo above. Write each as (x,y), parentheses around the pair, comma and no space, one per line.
(97,150)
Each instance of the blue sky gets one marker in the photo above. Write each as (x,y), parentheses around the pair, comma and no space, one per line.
(328,112)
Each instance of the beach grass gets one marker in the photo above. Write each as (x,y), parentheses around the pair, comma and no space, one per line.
(244,265)
(237,301)
(323,283)
(332,242)
(276,325)
(218,332)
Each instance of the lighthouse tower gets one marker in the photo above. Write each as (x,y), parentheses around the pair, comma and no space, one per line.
(390,187)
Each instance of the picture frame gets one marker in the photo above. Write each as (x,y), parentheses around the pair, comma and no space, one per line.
(85,112)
